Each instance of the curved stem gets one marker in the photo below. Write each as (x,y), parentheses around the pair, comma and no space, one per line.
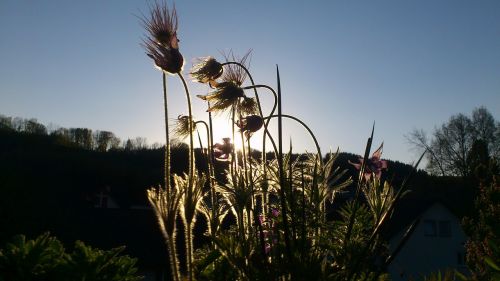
(206,128)
(191,146)
(189,238)
(306,127)
(266,124)
(266,131)
(199,141)
(211,184)
(255,87)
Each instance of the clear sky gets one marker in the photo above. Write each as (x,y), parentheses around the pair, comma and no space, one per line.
(343,64)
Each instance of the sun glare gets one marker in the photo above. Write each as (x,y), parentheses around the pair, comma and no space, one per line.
(222,129)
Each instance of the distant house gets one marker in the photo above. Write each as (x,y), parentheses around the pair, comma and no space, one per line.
(104,200)
(108,222)
(436,244)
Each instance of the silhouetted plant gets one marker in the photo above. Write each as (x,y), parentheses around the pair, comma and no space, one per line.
(281,230)
(44,258)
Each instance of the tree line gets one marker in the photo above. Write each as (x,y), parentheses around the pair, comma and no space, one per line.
(463,146)
(97,140)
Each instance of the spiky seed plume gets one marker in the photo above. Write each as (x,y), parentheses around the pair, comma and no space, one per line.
(248,106)
(206,70)
(161,43)
(235,73)
(224,97)
(181,128)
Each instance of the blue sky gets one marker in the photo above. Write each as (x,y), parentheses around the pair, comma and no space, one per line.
(343,64)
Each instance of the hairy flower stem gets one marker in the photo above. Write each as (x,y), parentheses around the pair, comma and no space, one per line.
(211,183)
(255,214)
(188,226)
(266,131)
(318,149)
(172,254)
(264,200)
(191,142)
(211,177)
(189,237)
(234,154)
(246,177)
(167,137)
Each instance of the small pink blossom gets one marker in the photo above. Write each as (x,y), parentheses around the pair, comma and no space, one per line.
(275,212)
(374,165)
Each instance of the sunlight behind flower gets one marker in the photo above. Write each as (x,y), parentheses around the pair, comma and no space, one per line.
(222,129)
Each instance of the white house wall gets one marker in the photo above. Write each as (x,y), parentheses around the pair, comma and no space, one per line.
(422,255)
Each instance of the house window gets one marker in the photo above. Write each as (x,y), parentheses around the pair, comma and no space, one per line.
(430,228)
(444,229)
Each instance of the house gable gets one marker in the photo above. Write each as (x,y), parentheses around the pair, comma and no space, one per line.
(437,243)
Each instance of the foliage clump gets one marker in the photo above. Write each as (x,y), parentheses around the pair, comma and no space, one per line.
(44,258)
(279,202)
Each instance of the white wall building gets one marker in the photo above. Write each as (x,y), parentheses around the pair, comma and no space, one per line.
(436,244)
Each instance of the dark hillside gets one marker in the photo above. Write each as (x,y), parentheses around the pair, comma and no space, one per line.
(50,184)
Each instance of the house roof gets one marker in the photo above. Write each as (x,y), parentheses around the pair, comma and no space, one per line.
(405,212)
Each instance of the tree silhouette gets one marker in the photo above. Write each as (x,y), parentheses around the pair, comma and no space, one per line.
(453,144)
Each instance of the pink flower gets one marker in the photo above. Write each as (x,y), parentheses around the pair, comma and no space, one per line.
(275,212)
(374,165)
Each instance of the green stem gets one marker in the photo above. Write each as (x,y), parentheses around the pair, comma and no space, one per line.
(212,172)
(266,124)
(167,137)
(208,133)
(189,238)
(282,173)
(247,183)
(318,149)
(189,250)
(172,253)
(211,184)
(234,154)
(190,124)
(260,107)
(266,131)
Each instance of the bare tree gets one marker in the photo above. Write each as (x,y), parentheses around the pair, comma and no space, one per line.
(451,146)
(103,139)
(140,143)
(5,122)
(82,137)
(32,126)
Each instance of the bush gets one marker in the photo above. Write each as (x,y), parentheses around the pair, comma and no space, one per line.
(44,258)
